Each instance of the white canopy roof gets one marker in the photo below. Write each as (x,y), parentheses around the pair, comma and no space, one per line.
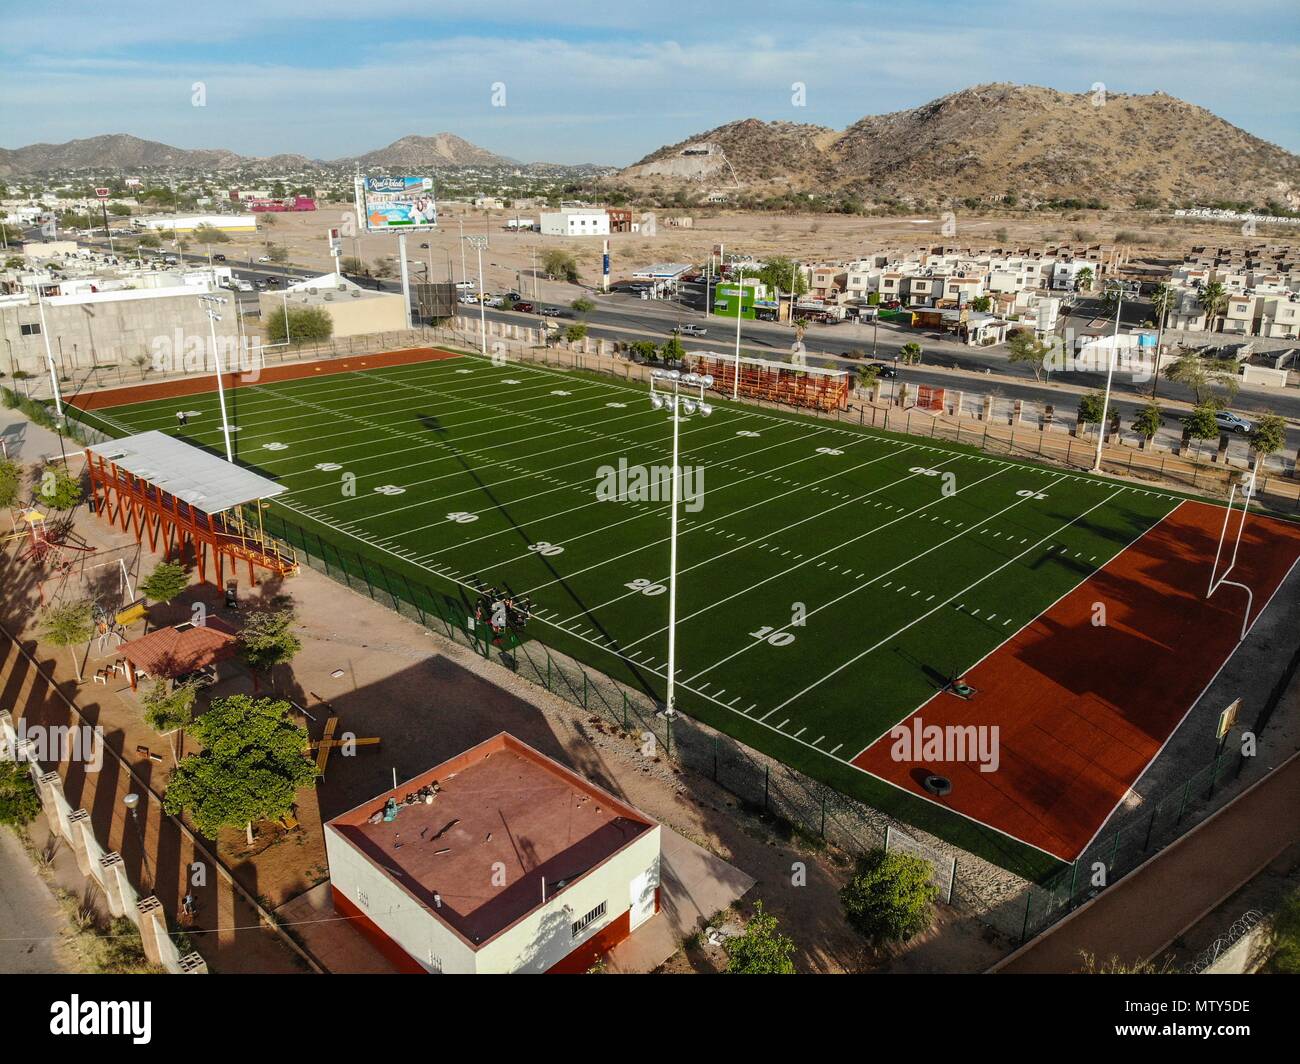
(203,480)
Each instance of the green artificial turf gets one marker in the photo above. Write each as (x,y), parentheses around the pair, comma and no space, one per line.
(831,579)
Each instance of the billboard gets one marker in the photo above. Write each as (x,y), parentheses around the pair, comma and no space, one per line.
(387,204)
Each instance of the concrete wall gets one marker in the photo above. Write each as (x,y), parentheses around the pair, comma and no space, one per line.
(105,332)
(104,869)
(369,313)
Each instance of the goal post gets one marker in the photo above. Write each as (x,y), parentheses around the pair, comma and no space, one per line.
(1217,579)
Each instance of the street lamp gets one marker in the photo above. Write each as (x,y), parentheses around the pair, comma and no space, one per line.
(682,395)
(213,317)
(478,243)
(1119,288)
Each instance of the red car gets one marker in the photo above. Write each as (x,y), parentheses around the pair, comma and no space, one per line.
(524,308)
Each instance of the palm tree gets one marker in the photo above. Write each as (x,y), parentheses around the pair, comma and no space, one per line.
(1212,299)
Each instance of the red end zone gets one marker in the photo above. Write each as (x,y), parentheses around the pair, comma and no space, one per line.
(200,383)
(1082,710)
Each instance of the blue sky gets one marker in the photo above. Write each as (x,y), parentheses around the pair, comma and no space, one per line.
(605,82)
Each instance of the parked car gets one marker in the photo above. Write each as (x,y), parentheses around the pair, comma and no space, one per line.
(495,301)
(693,330)
(513,297)
(264,258)
(462,298)
(218,258)
(524,308)
(555,312)
(273,282)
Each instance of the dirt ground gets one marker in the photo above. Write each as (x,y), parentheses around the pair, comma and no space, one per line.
(508,260)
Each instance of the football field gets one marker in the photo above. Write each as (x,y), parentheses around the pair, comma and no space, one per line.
(831,578)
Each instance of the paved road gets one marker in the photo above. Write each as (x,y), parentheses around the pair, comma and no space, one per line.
(31,923)
(619,316)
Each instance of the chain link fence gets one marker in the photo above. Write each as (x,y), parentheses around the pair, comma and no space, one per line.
(816,811)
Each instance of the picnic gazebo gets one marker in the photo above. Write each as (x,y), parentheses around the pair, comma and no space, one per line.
(179,650)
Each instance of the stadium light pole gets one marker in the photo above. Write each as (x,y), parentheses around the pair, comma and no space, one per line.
(1118,288)
(478,243)
(213,317)
(49,355)
(740,302)
(682,395)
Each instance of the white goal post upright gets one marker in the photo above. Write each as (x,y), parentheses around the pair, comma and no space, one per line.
(1217,579)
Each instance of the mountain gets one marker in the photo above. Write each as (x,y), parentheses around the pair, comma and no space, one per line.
(415,154)
(992,141)
(114,151)
(120,151)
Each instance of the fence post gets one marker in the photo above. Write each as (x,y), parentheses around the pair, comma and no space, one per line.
(1029,900)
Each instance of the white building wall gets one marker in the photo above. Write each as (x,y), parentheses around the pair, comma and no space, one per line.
(536,943)
(434,946)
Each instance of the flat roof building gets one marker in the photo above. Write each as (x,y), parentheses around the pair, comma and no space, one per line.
(498,860)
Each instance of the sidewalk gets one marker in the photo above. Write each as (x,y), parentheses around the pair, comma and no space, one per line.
(1141,915)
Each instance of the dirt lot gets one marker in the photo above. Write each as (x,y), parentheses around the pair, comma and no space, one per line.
(508,259)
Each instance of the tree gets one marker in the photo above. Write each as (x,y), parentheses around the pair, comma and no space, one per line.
(1201,425)
(1090,407)
(352,264)
(1083,279)
(1163,300)
(1212,299)
(582,305)
(68,625)
(558,263)
(780,273)
(1148,421)
(382,268)
(890,897)
(867,376)
(278,254)
(150,240)
(19,802)
(58,489)
(305,325)
(672,349)
(267,639)
(760,949)
(1211,380)
(910,353)
(165,582)
(1024,346)
(11,482)
(170,710)
(576,331)
(981,304)
(645,350)
(1268,436)
(252,765)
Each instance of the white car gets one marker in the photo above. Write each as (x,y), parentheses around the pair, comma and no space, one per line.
(693,330)
(1230,422)
(264,258)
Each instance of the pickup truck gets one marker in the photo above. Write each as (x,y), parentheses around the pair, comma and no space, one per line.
(693,330)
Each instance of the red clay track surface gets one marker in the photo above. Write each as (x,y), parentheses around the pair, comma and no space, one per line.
(200,383)
(1083,710)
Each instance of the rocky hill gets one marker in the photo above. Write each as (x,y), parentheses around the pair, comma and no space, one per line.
(415,154)
(989,142)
